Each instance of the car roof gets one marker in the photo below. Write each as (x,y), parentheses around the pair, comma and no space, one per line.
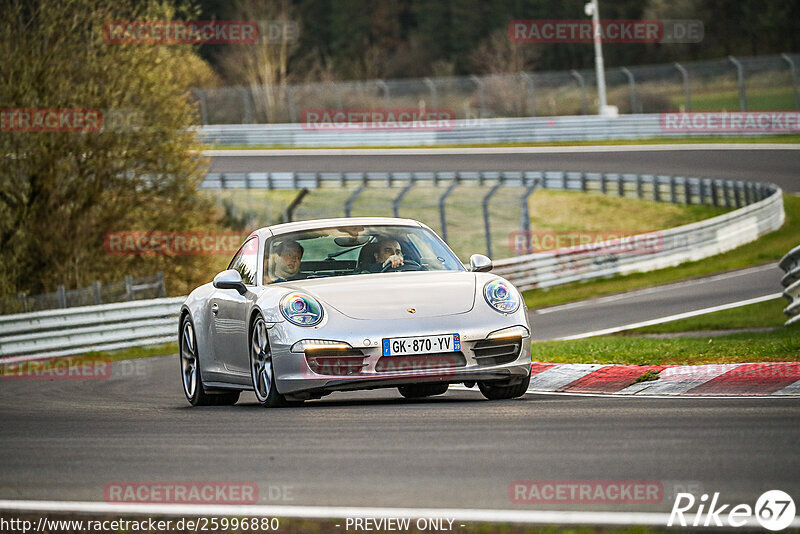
(284,228)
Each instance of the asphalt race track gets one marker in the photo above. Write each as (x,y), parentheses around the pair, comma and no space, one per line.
(66,440)
(777,166)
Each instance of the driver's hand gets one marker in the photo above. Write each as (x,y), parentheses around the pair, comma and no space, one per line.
(395,260)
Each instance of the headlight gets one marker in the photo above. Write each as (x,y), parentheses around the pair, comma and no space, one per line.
(501,296)
(301,309)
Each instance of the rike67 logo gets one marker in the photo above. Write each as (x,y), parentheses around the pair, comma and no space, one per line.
(774,510)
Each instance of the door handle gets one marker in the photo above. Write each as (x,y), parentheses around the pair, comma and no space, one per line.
(214,309)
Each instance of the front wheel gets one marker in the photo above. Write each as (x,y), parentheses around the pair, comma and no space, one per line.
(191,377)
(503,390)
(261,369)
(416,391)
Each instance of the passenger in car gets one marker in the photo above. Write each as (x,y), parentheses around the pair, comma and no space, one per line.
(284,262)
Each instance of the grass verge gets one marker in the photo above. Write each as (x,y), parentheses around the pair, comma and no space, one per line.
(768,248)
(777,346)
(760,315)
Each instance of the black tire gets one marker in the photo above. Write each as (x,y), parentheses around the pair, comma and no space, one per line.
(191,375)
(417,391)
(503,390)
(262,372)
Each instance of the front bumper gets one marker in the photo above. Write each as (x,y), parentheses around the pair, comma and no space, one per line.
(371,370)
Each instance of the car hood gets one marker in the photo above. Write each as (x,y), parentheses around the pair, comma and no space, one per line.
(392,295)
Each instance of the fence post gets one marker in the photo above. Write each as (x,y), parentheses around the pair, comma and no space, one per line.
(129,287)
(98,297)
(400,197)
(656,189)
(582,86)
(620,185)
(432,88)
(290,101)
(485,203)
(726,192)
(201,98)
(248,109)
(288,215)
(740,79)
(481,95)
(793,70)
(686,90)
(632,89)
(62,297)
(737,189)
(349,202)
(714,193)
(529,90)
(442,202)
(687,190)
(385,90)
(525,222)
(639,189)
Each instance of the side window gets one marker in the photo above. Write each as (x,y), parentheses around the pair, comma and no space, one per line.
(246,261)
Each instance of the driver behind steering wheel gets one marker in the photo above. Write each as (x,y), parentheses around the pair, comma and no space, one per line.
(388,254)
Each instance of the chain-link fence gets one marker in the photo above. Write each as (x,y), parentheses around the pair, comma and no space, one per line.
(761,83)
(148,287)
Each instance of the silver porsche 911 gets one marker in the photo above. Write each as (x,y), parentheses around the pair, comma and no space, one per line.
(312,307)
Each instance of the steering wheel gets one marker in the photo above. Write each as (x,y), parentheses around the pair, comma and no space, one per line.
(406,263)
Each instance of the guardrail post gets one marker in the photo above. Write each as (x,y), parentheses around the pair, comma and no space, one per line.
(564,181)
(748,193)
(98,297)
(442,202)
(686,89)
(740,80)
(726,193)
(687,191)
(639,190)
(603,187)
(582,86)
(485,203)
(793,70)
(620,185)
(349,202)
(288,215)
(656,189)
(631,89)
(737,189)
(481,93)
(432,88)
(673,190)
(702,186)
(583,182)
(62,297)
(714,193)
(400,197)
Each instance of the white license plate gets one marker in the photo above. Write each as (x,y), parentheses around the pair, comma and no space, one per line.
(400,346)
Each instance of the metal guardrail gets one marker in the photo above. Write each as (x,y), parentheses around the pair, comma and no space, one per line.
(477,131)
(791,281)
(113,326)
(78,330)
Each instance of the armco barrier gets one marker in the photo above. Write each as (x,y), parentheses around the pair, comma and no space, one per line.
(791,281)
(113,326)
(77,330)
(475,131)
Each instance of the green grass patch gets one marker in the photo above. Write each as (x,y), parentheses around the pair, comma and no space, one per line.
(768,248)
(760,315)
(778,346)
(782,139)
(136,352)
(765,99)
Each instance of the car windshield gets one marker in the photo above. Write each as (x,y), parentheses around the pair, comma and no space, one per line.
(353,250)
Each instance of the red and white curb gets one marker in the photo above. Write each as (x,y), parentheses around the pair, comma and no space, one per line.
(714,380)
